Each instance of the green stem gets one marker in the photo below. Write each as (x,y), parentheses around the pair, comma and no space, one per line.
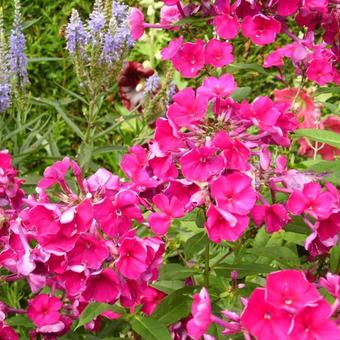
(207,265)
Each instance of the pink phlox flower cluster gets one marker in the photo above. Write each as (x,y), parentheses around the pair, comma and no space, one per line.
(289,307)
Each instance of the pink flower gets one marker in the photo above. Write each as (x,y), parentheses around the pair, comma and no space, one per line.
(274,216)
(200,164)
(189,59)
(226,25)
(219,227)
(234,193)
(166,137)
(169,209)
(261,30)
(132,258)
(188,109)
(44,310)
(218,53)
(311,200)
(170,15)
(332,284)
(150,300)
(287,7)
(217,87)
(234,152)
(321,71)
(88,253)
(263,320)
(169,52)
(201,312)
(102,287)
(7,332)
(313,323)
(44,221)
(136,22)
(290,290)
(170,2)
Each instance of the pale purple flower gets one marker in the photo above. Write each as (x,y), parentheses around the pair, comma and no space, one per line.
(17,56)
(97,19)
(152,84)
(76,35)
(120,12)
(5,89)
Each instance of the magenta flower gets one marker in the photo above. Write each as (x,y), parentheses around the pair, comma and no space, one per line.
(226,25)
(170,15)
(217,87)
(7,332)
(132,258)
(218,53)
(169,52)
(290,290)
(188,109)
(189,59)
(332,284)
(170,2)
(321,71)
(88,252)
(263,320)
(201,315)
(313,323)
(235,153)
(311,200)
(169,209)
(44,221)
(200,164)
(220,228)
(150,300)
(44,310)
(166,136)
(234,193)
(287,7)
(102,287)
(136,22)
(260,29)
(275,216)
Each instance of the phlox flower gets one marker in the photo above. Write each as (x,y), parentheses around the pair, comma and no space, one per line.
(189,59)
(332,284)
(200,164)
(7,332)
(169,15)
(262,30)
(287,7)
(225,22)
(150,300)
(220,228)
(132,258)
(201,315)
(264,320)
(217,87)
(313,323)
(44,310)
(169,209)
(275,216)
(136,23)
(234,193)
(188,109)
(218,53)
(311,200)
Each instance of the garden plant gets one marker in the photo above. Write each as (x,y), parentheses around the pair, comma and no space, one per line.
(170,169)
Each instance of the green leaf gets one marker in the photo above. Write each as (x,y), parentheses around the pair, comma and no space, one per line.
(175,270)
(325,166)
(334,259)
(19,321)
(191,20)
(94,309)
(195,244)
(200,218)
(175,306)
(282,255)
(108,149)
(168,287)
(243,269)
(322,136)
(241,93)
(331,89)
(43,59)
(62,113)
(150,329)
(243,66)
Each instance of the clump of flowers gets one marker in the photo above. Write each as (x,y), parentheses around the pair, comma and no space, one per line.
(84,244)
(288,307)
(13,60)
(99,46)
